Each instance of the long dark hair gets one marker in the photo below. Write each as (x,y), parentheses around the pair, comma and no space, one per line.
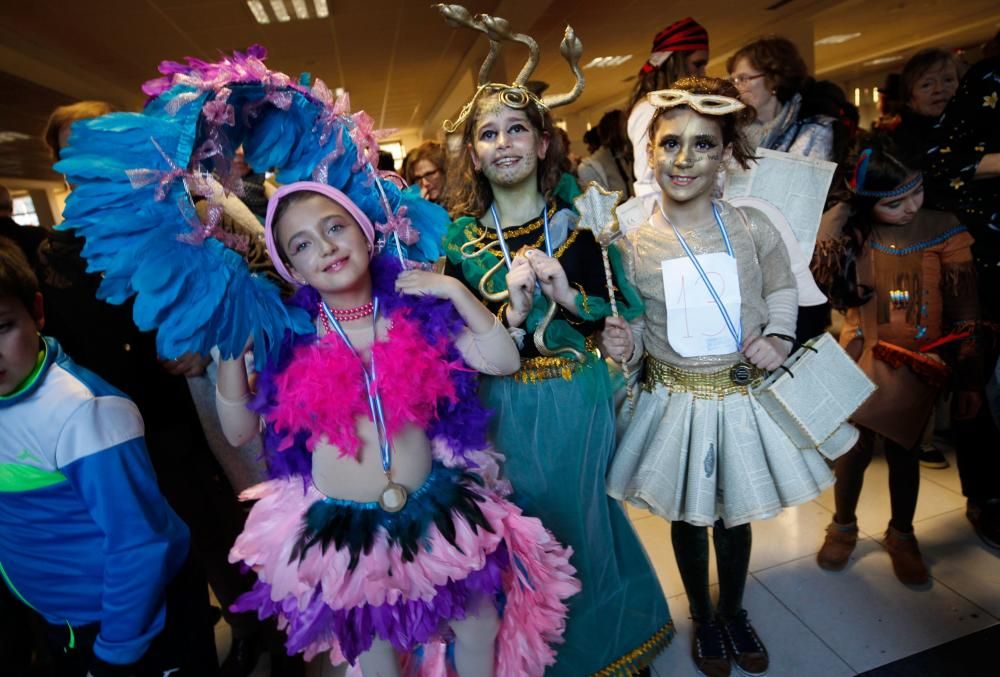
(662,77)
(883,171)
(470,193)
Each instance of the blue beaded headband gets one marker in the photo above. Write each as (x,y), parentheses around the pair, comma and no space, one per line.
(857,182)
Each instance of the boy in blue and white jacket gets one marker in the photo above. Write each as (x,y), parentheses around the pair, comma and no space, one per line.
(86,538)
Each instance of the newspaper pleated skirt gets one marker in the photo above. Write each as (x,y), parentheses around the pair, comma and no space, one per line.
(697,459)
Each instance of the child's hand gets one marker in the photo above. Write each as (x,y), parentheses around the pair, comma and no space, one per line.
(615,340)
(426,283)
(767,352)
(521,285)
(189,364)
(552,277)
(967,404)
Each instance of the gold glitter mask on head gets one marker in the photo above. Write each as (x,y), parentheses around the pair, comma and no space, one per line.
(706,104)
(513,95)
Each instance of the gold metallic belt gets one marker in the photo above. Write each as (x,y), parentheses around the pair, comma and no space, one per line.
(535,369)
(709,385)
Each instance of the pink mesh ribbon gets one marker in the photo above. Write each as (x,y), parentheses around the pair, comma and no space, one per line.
(400,224)
(210,228)
(322,170)
(143,177)
(366,138)
(219,111)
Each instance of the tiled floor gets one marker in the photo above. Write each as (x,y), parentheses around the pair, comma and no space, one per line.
(819,624)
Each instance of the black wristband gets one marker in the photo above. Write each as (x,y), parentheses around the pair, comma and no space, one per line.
(785,337)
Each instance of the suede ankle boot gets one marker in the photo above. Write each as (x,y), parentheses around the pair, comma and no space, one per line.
(840,542)
(907,562)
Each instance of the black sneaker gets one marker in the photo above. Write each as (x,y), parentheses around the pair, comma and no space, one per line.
(931,457)
(985,518)
(747,651)
(708,650)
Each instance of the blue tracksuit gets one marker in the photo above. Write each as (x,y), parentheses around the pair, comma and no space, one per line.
(85,535)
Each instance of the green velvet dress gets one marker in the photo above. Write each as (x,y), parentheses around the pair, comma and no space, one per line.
(554,422)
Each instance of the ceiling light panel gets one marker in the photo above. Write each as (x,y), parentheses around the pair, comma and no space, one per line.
(607,61)
(258,11)
(300,9)
(882,60)
(280,11)
(838,39)
(284,11)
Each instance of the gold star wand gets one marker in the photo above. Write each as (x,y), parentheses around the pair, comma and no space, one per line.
(596,207)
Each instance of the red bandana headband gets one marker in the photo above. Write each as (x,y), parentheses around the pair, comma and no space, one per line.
(686,35)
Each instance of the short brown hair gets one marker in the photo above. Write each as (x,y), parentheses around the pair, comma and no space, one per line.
(432,151)
(472,193)
(81,110)
(16,277)
(731,124)
(780,62)
(920,63)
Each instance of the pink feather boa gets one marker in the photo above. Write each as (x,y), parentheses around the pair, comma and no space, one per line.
(322,391)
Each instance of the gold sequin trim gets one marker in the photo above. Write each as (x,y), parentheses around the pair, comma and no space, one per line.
(535,369)
(641,657)
(703,385)
(526,229)
(565,245)
(471,234)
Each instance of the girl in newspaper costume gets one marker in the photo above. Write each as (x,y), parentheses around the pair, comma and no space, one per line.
(700,451)
(384,529)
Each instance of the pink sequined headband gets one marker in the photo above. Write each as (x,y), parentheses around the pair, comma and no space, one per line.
(327,191)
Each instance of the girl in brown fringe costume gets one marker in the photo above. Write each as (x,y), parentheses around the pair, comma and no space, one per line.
(904,277)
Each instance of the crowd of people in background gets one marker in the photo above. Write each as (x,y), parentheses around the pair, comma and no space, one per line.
(915,205)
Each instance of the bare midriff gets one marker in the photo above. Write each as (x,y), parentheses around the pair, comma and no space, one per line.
(362,479)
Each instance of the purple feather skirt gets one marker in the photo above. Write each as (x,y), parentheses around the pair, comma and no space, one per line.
(327,606)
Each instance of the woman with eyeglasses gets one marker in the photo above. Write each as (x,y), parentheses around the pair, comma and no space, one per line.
(795,113)
(426,167)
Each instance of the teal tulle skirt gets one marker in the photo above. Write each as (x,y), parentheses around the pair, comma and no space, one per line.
(558,437)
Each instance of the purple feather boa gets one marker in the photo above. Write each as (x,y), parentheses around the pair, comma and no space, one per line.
(407,623)
(462,423)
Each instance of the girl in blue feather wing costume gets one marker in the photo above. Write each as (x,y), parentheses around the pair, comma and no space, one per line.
(347,577)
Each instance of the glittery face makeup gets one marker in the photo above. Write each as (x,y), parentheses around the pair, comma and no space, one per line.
(686,154)
(506,147)
(900,210)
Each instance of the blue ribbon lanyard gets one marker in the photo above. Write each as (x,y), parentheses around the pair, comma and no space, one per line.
(736,332)
(503,242)
(371,389)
